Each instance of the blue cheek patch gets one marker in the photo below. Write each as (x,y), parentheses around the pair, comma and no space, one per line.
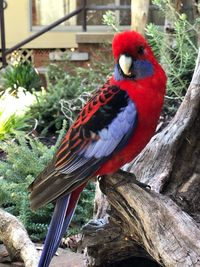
(117,75)
(141,69)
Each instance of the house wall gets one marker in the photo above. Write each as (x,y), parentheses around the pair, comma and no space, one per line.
(17,28)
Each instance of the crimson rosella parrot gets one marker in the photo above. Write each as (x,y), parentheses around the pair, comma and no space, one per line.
(112,128)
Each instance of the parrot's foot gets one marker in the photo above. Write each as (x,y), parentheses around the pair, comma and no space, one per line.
(130,178)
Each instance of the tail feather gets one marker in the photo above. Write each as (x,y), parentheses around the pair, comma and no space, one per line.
(54,232)
(61,219)
(74,198)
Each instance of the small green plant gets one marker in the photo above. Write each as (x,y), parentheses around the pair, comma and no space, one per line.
(12,112)
(109,19)
(16,175)
(21,75)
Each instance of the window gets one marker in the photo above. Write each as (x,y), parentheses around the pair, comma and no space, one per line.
(94,17)
(45,12)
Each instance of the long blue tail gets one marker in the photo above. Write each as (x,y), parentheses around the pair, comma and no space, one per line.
(54,231)
(60,221)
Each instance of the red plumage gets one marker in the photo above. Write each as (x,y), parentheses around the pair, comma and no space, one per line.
(127,42)
(147,94)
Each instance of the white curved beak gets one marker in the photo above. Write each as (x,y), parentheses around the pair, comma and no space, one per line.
(125,63)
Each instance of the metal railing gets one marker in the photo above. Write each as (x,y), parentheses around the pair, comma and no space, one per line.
(84,9)
(2,27)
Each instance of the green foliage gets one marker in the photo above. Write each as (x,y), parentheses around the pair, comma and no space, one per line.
(12,112)
(177,51)
(26,158)
(66,94)
(48,111)
(21,75)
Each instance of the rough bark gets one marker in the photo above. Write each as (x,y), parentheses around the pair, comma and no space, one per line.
(161,223)
(15,238)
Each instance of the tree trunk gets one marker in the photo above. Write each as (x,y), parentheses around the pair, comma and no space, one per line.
(15,238)
(161,223)
(139,15)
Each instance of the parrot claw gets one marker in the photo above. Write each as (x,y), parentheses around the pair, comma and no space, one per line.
(130,178)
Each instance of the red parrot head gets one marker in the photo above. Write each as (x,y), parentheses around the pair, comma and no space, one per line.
(133,56)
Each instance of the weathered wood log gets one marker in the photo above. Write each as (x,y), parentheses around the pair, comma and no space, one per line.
(162,223)
(16,239)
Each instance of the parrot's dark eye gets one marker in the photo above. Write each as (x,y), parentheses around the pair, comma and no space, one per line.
(141,50)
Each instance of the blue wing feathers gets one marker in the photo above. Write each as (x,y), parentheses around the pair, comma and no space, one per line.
(110,137)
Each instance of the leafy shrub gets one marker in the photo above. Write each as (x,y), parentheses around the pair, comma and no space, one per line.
(21,75)
(177,51)
(47,109)
(16,175)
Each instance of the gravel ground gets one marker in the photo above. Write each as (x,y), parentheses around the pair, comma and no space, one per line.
(65,258)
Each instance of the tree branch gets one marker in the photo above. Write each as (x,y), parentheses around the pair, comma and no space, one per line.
(154,221)
(15,238)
